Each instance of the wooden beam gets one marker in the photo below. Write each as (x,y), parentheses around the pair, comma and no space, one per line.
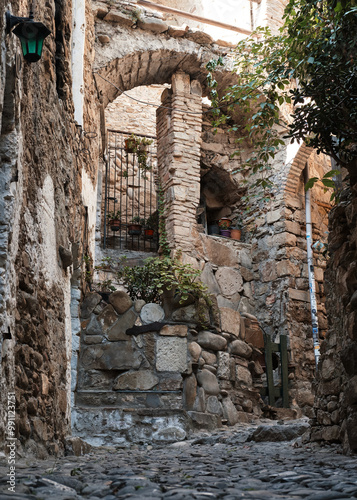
(188,15)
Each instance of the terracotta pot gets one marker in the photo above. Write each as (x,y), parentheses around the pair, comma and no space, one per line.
(148,233)
(129,146)
(223,220)
(134,229)
(114,224)
(236,234)
(225,232)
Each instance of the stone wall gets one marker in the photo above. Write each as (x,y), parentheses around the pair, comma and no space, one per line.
(188,368)
(42,157)
(280,290)
(336,383)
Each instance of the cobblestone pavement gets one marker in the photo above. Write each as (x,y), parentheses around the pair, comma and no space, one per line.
(225,465)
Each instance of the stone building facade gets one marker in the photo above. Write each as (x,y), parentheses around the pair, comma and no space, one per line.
(52,141)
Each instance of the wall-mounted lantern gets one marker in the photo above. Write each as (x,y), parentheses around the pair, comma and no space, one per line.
(31,34)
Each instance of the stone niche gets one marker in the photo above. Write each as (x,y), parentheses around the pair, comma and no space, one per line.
(145,375)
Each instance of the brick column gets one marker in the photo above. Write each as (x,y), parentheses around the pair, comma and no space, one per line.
(178,153)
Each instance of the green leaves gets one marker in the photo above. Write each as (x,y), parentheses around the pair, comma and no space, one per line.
(311,182)
(317,46)
(148,282)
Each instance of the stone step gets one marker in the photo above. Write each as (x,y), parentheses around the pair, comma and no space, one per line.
(170,400)
(114,426)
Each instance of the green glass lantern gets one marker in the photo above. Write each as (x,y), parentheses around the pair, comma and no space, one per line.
(30,33)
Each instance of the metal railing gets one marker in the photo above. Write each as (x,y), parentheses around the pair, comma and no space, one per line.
(129,211)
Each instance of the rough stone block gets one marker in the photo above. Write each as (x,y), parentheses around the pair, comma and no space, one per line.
(142,380)
(273,216)
(213,405)
(245,306)
(195,351)
(212,341)
(243,376)
(118,329)
(223,370)
(177,32)
(93,327)
(90,301)
(207,277)
(104,39)
(180,83)
(205,420)
(268,271)
(171,434)
(196,88)
(174,331)
(107,317)
(218,253)
(293,227)
(152,24)
(93,339)
(287,268)
(208,381)
(186,314)
(171,354)
(151,313)
(229,280)
(76,446)
(246,274)
(230,321)
(229,411)
(284,239)
(115,16)
(121,301)
(241,348)
(189,392)
(299,295)
(209,358)
(118,356)
(199,37)
(253,333)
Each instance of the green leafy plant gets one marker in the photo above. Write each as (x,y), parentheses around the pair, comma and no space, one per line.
(88,269)
(137,220)
(224,224)
(111,216)
(163,239)
(138,146)
(158,275)
(106,263)
(316,47)
(135,14)
(152,222)
(106,286)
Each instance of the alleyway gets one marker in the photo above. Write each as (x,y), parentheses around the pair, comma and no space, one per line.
(225,464)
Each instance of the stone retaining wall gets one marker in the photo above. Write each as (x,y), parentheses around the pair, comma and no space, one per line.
(134,359)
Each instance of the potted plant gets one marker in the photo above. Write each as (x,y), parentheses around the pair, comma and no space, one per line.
(114,220)
(224,228)
(138,146)
(236,229)
(134,227)
(151,225)
(225,221)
